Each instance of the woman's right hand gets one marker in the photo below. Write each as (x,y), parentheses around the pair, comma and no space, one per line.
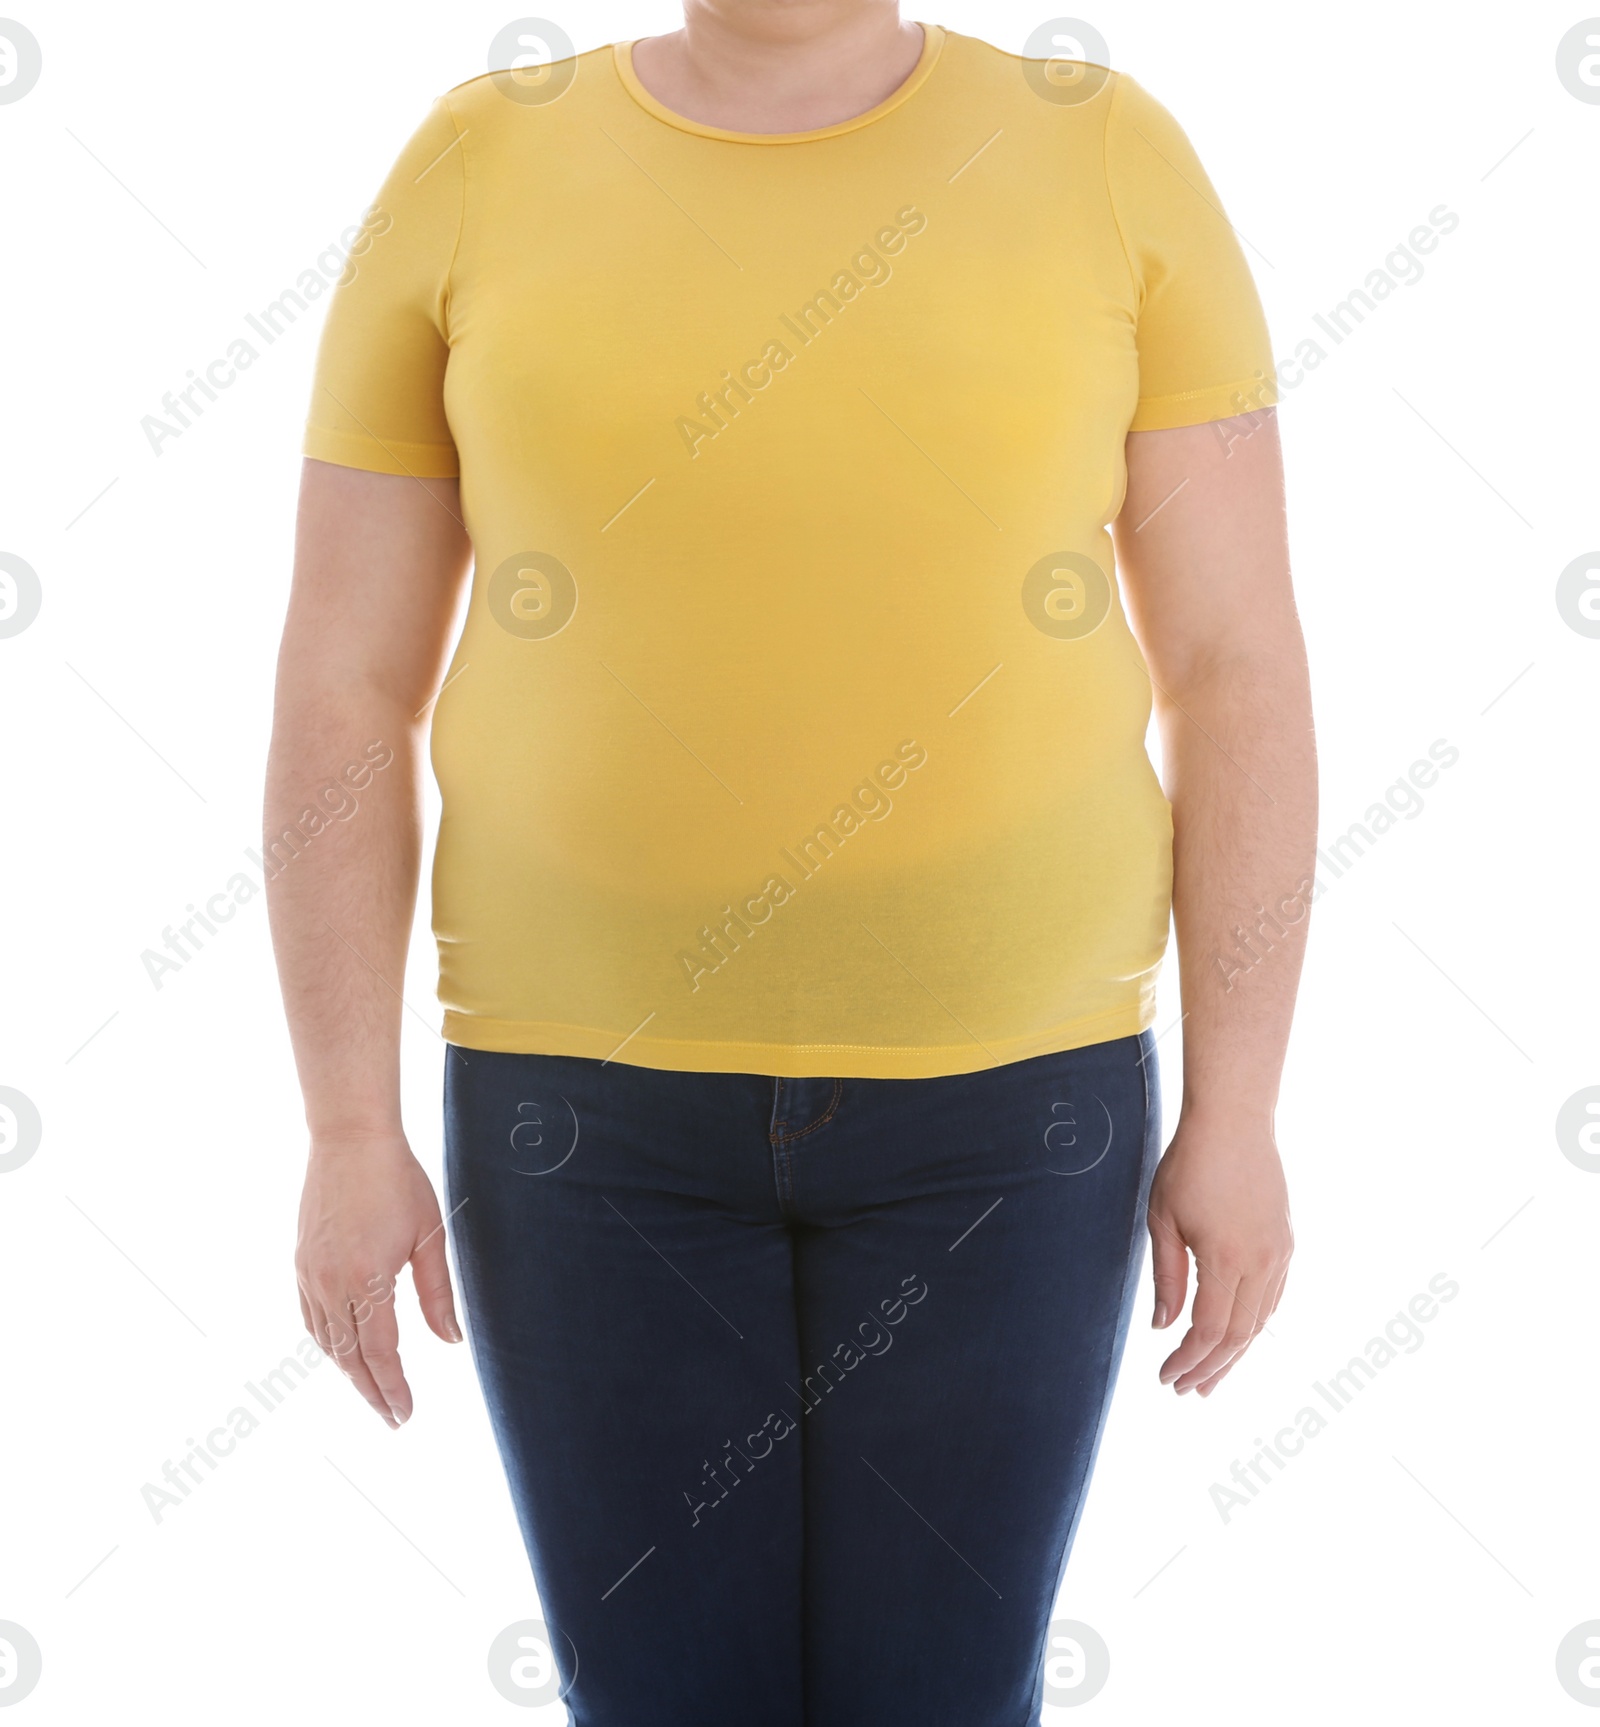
(366,1210)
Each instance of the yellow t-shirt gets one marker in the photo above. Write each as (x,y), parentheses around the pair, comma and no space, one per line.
(795,727)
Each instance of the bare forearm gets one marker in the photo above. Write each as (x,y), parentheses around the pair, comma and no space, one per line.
(1241,773)
(342,846)
(379,563)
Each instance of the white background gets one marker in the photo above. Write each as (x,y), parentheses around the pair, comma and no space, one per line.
(177,167)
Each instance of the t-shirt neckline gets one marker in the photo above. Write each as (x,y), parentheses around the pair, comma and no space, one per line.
(933,36)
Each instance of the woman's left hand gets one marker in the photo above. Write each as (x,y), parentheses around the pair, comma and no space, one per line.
(1219,1194)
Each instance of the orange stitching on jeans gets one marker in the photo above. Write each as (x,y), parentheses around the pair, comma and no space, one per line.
(821,1121)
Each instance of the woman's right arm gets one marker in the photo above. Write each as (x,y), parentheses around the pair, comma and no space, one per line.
(380,562)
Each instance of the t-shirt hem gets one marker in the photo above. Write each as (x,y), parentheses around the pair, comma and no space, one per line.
(350,450)
(1196,407)
(791,1060)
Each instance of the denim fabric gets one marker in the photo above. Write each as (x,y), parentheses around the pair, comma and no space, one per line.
(798,1383)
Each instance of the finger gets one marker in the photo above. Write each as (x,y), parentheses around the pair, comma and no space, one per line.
(326,1333)
(1169,1260)
(318,1325)
(1208,1323)
(1241,1328)
(1242,1325)
(1206,1387)
(311,1311)
(1273,1293)
(1217,1378)
(430,1273)
(339,1341)
(378,1332)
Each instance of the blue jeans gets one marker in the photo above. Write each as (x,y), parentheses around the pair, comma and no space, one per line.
(798,1383)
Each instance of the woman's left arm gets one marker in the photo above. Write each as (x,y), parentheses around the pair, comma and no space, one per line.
(1203,550)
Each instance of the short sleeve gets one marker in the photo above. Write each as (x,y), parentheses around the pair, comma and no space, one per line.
(1204,352)
(378,398)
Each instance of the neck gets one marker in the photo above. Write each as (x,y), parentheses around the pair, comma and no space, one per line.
(779,65)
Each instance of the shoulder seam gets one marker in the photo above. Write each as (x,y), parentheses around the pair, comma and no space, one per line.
(1111,201)
(461,217)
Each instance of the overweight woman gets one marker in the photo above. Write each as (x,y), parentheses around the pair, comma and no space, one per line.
(779,463)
